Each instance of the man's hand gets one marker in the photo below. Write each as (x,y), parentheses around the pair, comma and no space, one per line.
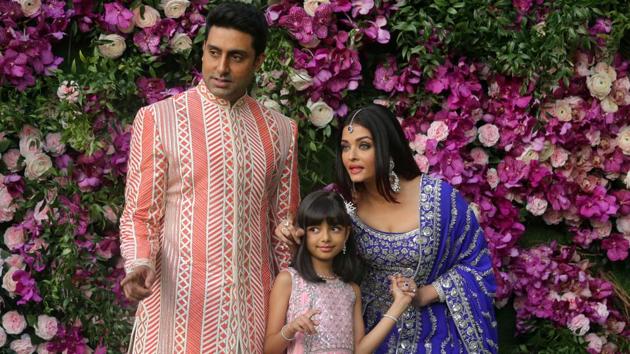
(137,284)
(289,234)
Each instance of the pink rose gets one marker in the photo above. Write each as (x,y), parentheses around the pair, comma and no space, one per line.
(602,312)
(53,144)
(602,229)
(3,337)
(7,280)
(15,260)
(23,345)
(610,348)
(621,91)
(479,156)
(579,325)
(11,159)
(68,91)
(559,157)
(109,214)
(536,205)
(595,343)
(422,162)
(594,137)
(582,64)
(37,165)
(13,322)
(30,141)
(492,176)
(7,207)
(419,143)
(438,130)
(46,327)
(623,224)
(14,237)
(552,217)
(488,135)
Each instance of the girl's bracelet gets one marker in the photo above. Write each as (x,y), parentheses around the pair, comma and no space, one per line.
(393,318)
(285,337)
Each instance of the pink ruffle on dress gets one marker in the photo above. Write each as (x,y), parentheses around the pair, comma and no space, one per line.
(335,300)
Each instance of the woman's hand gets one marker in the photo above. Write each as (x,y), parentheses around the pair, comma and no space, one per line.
(289,234)
(401,296)
(303,323)
(408,285)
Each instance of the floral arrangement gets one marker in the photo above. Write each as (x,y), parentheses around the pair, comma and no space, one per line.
(524,107)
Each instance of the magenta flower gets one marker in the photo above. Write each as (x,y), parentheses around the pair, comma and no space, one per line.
(599,205)
(26,287)
(361,7)
(616,247)
(512,171)
(376,32)
(385,78)
(299,24)
(117,16)
(522,6)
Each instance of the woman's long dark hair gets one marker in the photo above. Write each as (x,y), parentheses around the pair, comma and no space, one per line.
(389,142)
(316,208)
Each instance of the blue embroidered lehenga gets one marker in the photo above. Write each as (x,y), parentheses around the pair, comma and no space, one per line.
(449,251)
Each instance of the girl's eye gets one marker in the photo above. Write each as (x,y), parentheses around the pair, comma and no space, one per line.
(313,229)
(336,228)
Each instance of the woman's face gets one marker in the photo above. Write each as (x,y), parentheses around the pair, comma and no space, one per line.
(358,154)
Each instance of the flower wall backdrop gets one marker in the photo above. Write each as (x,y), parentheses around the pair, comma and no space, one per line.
(523,105)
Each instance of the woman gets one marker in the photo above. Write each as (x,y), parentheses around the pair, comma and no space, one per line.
(420,227)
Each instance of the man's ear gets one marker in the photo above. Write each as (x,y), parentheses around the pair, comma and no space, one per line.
(259,61)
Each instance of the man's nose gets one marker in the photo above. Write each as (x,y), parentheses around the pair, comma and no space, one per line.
(223,66)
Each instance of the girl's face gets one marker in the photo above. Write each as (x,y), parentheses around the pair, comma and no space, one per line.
(358,154)
(325,241)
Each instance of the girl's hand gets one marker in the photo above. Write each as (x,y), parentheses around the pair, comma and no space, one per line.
(303,323)
(400,296)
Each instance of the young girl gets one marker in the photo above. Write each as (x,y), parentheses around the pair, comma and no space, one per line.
(314,305)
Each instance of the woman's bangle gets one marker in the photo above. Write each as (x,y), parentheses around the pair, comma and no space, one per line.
(393,318)
(285,337)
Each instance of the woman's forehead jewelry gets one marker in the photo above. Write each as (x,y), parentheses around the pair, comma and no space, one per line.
(350,127)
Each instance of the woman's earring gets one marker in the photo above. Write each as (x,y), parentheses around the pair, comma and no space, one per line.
(394,181)
(344,249)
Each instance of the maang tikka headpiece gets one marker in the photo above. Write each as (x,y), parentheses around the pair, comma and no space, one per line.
(350,127)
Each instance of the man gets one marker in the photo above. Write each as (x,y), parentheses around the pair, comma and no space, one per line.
(211,173)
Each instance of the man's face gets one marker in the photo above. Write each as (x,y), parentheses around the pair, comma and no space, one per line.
(229,62)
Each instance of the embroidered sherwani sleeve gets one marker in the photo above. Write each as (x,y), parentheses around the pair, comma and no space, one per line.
(287,199)
(469,285)
(142,217)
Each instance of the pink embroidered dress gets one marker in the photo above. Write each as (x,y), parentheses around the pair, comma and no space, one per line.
(335,299)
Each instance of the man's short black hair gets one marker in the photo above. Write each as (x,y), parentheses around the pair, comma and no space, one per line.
(242,17)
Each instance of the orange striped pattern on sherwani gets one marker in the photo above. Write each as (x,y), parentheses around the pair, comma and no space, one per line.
(207,183)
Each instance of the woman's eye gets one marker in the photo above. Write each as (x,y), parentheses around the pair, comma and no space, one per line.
(364,146)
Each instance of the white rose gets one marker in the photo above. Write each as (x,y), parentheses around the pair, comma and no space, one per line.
(37,165)
(310,6)
(492,176)
(599,85)
(609,105)
(562,110)
(623,224)
(114,48)
(30,7)
(269,103)
(595,343)
(528,155)
(46,327)
(579,325)
(174,8)
(301,80)
(536,206)
(68,91)
(605,69)
(321,113)
(623,140)
(145,19)
(180,43)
